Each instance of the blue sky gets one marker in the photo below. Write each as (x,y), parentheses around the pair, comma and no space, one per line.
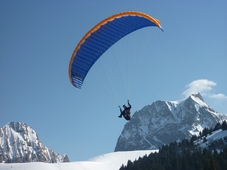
(37,41)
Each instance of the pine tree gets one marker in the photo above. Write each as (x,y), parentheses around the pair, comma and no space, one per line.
(224,125)
(213,164)
(217,127)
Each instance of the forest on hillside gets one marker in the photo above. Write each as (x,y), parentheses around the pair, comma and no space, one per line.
(186,155)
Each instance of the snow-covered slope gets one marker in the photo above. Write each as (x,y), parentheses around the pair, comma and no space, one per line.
(216,136)
(219,134)
(110,161)
(163,122)
(20,143)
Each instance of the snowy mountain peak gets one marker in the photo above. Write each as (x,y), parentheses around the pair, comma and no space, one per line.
(197,96)
(163,122)
(20,143)
(22,131)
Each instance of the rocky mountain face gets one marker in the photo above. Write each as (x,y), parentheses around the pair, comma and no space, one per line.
(20,143)
(163,122)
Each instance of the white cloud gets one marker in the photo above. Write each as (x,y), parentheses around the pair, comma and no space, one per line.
(204,87)
(218,96)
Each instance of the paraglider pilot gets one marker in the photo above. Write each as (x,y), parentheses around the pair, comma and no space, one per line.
(126,112)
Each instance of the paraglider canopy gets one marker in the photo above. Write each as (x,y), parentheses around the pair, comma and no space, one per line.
(101,37)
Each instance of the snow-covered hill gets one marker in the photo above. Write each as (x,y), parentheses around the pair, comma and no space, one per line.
(163,122)
(216,136)
(110,161)
(20,143)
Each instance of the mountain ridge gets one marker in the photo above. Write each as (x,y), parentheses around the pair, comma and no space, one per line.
(20,143)
(154,125)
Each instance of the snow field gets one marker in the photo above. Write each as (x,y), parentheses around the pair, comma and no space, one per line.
(110,161)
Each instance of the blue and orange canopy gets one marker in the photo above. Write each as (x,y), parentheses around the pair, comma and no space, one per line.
(101,37)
